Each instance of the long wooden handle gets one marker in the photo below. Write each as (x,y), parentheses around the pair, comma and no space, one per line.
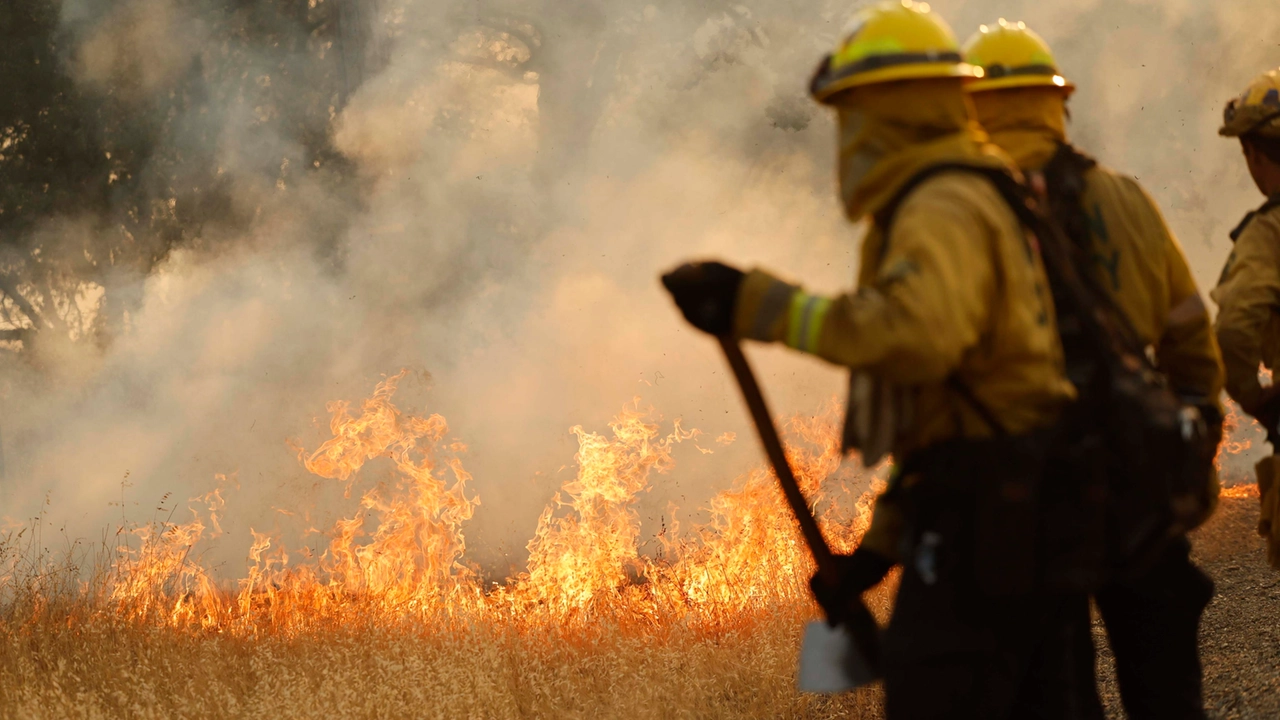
(855,615)
(817,543)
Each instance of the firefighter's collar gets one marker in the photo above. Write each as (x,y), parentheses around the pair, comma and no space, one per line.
(1271,203)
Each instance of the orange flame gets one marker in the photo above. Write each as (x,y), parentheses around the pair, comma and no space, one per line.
(574,559)
(1232,444)
(1242,439)
(401,553)
(585,559)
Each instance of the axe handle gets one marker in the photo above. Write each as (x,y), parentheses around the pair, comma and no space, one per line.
(856,617)
(773,448)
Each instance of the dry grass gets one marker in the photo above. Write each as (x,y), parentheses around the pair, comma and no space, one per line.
(73,662)
(66,661)
(392,622)
(67,653)
(712,634)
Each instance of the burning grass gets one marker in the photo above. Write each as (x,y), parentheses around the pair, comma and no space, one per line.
(99,667)
(390,620)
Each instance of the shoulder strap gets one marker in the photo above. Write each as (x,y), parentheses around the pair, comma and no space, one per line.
(1108,328)
(1105,332)
(884,219)
(1271,203)
(1105,329)
(962,389)
(1064,182)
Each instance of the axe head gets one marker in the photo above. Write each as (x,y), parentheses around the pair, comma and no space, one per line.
(830,661)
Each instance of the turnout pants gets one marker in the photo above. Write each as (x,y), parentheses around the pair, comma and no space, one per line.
(948,654)
(976,632)
(1153,624)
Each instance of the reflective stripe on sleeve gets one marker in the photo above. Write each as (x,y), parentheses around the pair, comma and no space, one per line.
(807,315)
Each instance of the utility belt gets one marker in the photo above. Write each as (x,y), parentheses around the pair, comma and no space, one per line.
(1004,516)
(1159,461)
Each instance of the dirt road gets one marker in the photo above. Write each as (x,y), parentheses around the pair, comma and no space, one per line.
(1240,634)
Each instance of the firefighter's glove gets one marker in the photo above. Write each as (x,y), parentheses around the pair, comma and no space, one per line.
(859,572)
(706,293)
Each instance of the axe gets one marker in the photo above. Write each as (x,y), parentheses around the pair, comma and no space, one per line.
(844,652)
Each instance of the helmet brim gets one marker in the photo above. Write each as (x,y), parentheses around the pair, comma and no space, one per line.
(826,92)
(1021,81)
(1263,129)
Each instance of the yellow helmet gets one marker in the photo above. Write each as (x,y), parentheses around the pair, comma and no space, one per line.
(1012,55)
(891,41)
(1256,111)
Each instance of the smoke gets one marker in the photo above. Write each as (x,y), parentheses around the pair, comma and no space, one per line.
(510,180)
(137,48)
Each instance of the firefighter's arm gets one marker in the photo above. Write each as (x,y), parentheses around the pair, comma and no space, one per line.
(1187,351)
(911,325)
(1247,295)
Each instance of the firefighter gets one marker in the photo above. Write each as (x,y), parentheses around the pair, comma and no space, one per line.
(956,369)
(1152,620)
(1248,293)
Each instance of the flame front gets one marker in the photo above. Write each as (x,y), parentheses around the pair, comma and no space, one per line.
(1242,442)
(401,552)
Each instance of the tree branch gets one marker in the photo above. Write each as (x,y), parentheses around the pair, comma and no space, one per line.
(8,287)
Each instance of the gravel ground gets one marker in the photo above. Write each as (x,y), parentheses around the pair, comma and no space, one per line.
(1240,633)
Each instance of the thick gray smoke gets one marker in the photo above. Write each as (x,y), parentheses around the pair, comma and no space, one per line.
(528,170)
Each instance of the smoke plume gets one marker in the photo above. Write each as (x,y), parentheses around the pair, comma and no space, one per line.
(507,182)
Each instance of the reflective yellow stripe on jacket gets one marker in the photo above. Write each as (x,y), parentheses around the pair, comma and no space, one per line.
(932,307)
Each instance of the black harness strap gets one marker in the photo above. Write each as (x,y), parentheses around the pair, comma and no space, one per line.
(1271,203)
(1083,306)
(1065,185)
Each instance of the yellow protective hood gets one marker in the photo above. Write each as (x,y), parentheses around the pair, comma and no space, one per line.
(1027,123)
(890,132)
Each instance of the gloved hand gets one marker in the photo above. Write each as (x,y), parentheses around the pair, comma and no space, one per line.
(706,293)
(859,572)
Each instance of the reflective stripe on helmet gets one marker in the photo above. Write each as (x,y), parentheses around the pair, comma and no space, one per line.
(995,72)
(890,42)
(827,77)
(1012,56)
